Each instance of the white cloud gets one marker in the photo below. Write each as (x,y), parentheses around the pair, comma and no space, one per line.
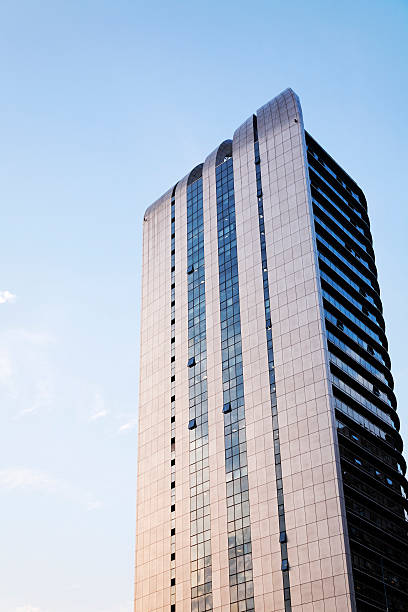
(36,380)
(99,410)
(6,369)
(7,296)
(98,415)
(28,608)
(128,426)
(27,373)
(43,396)
(40,482)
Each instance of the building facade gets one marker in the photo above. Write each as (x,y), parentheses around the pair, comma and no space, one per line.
(270,473)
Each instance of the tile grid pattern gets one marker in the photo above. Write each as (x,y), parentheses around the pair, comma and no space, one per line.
(272,386)
(152,571)
(314,504)
(267,575)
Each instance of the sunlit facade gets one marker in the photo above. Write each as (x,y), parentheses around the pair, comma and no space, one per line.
(270,474)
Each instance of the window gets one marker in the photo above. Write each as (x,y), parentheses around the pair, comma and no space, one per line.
(192,424)
(285,565)
(172,582)
(191,362)
(173,484)
(282,537)
(190,269)
(173,508)
(173,531)
(173,462)
(226,408)
(172,556)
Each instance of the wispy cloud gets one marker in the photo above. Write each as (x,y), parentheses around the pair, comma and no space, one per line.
(99,410)
(98,415)
(26,370)
(6,369)
(40,482)
(7,296)
(36,380)
(126,427)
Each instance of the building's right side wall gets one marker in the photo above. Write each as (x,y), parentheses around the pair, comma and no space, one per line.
(372,467)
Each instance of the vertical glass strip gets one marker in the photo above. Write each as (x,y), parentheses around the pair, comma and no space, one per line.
(272,388)
(236,467)
(201,597)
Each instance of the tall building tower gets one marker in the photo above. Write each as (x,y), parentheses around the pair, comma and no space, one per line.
(270,473)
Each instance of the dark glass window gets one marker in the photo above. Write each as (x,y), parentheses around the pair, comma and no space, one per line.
(200,540)
(238,511)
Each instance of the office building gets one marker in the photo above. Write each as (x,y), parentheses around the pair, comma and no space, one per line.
(270,473)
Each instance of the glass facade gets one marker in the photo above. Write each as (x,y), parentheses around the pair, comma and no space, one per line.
(236,466)
(373,468)
(200,534)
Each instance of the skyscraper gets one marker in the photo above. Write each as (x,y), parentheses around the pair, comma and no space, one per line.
(270,473)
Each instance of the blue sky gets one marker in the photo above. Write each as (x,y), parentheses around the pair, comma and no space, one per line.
(105,105)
